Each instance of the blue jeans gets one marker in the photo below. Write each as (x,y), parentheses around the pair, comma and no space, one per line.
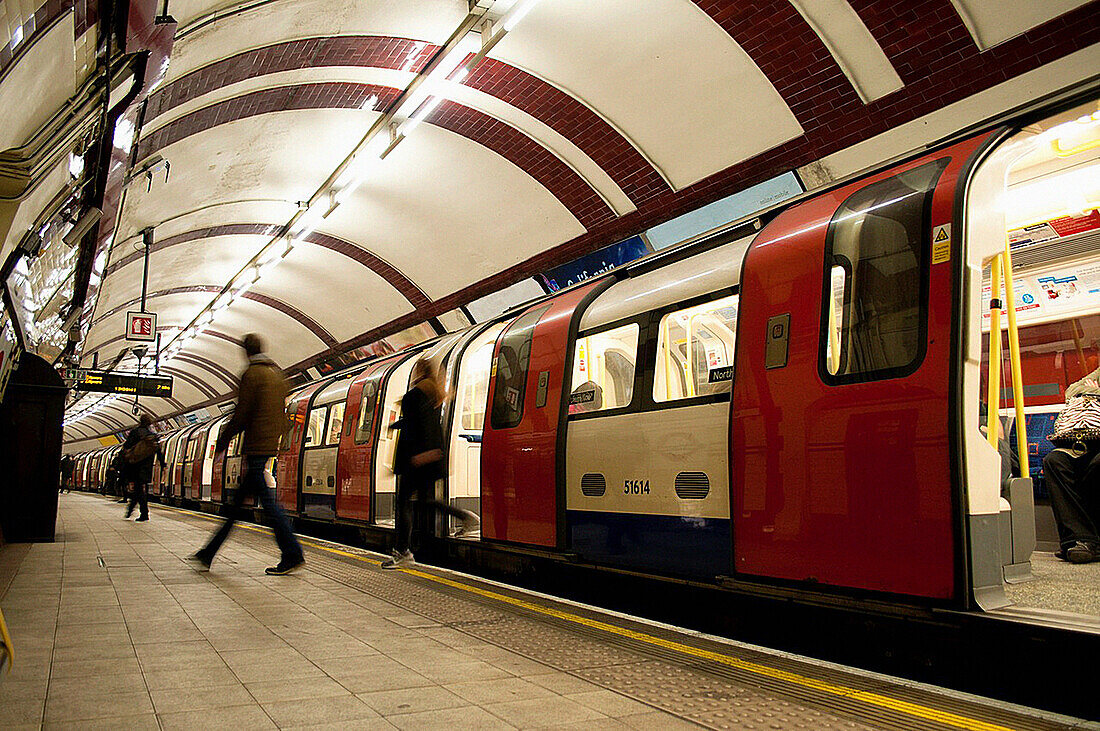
(252,483)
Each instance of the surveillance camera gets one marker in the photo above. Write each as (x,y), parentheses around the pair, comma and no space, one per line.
(82,227)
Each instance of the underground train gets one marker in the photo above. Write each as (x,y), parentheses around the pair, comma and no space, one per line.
(793,400)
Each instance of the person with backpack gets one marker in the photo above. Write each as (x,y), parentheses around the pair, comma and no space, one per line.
(67,464)
(141,447)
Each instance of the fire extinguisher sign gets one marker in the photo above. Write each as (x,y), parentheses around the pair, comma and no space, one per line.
(141,326)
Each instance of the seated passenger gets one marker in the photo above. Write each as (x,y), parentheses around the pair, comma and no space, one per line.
(1072,473)
(585,398)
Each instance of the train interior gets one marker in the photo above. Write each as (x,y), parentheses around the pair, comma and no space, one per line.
(385,480)
(1050,200)
(468,405)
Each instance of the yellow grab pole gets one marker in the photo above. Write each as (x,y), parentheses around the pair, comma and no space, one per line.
(834,335)
(1077,344)
(994,399)
(1017,373)
(6,643)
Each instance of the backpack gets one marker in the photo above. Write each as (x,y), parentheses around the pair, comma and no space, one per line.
(142,450)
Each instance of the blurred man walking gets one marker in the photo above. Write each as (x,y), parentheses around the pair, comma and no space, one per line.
(261,416)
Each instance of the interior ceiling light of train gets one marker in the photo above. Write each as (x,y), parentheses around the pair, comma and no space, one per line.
(351,176)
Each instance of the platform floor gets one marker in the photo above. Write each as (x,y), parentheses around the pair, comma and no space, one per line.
(115,629)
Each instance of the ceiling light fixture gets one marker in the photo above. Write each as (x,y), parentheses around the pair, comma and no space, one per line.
(518,11)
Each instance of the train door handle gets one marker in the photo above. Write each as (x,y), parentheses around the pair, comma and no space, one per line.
(540,392)
(309,480)
(331,481)
(778,335)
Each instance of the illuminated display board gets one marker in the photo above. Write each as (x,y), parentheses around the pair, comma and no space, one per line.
(128,383)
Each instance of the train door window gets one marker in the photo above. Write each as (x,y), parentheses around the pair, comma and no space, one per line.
(838,282)
(511,370)
(315,427)
(472,388)
(366,408)
(695,349)
(335,423)
(603,370)
(879,238)
(235,446)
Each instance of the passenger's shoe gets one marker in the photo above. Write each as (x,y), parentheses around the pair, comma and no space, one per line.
(141,518)
(200,559)
(398,560)
(1081,552)
(471,524)
(122,500)
(284,567)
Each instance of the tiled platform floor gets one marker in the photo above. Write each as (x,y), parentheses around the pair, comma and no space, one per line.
(145,641)
(114,628)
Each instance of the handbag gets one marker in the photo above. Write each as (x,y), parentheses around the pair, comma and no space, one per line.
(1079,421)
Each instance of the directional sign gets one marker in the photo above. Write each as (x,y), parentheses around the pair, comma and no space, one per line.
(141,326)
(131,383)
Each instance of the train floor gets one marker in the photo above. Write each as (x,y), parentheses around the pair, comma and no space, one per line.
(114,628)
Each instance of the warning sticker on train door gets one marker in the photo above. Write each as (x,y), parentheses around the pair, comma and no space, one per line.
(941,244)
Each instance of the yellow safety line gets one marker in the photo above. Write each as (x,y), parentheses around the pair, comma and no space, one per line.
(873,699)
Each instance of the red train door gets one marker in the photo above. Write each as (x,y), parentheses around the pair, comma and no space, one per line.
(197,461)
(217,472)
(520,499)
(841,459)
(287,461)
(353,461)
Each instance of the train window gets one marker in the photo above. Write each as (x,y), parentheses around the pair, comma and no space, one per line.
(510,370)
(366,409)
(876,249)
(335,423)
(316,427)
(603,370)
(836,306)
(235,446)
(473,386)
(695,349)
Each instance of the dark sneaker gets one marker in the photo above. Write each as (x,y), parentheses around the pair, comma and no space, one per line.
(397,560)
(284,567)
(141,518)
(200,559)
(1081,552)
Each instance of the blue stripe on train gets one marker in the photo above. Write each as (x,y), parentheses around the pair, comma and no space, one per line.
(670,544)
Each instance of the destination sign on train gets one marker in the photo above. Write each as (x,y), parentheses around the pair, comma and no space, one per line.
(113,382)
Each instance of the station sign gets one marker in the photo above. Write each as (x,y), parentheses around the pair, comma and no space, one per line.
(141,326)
(124,383)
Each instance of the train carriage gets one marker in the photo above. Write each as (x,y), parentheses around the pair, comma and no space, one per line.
(794,399)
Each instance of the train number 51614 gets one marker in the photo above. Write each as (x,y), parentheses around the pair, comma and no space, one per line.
(635,487)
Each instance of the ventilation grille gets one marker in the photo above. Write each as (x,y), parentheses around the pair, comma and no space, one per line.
(593,484)
(1049,251)
(692,485)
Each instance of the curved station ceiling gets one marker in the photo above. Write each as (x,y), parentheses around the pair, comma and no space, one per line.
(333,173)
